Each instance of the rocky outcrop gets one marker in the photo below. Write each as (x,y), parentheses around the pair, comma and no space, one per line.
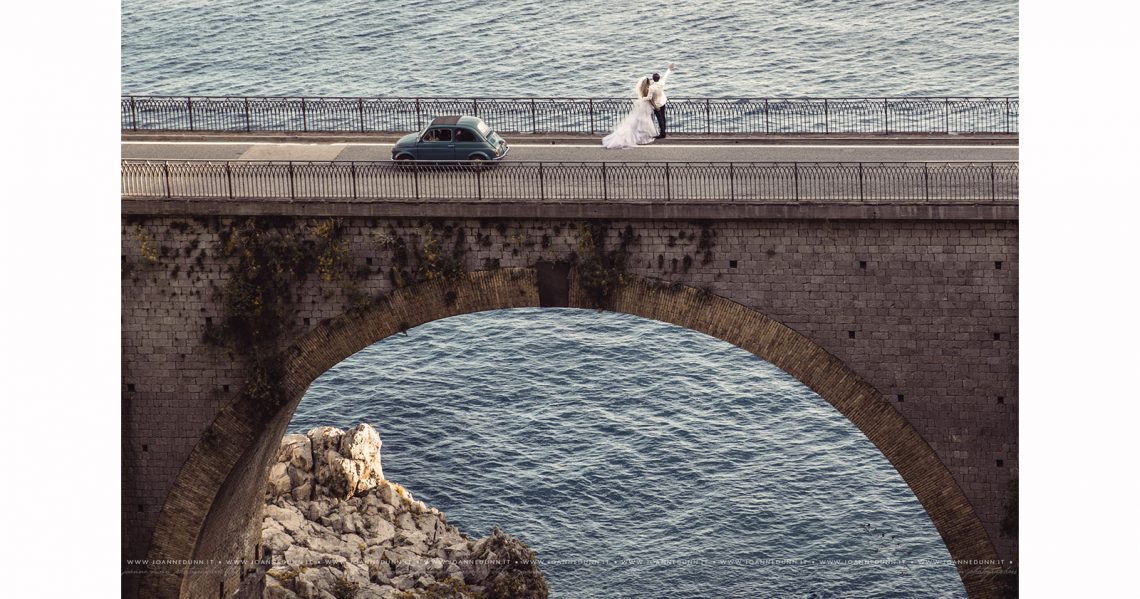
(335,528)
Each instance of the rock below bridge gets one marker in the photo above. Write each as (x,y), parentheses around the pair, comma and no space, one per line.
(335,528)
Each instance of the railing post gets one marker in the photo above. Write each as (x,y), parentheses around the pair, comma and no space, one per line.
(766,129)
(591,116)
(419,119)
(416,179)
(796,179)
(352,173)
(304,117)
(134,116)
(190,112)
(533,116)
(229,182)
(292,192)
(475,107)
(886,119)
(708,116)
(946,120)
(731,184)
(360,112)
(247,116)
(166,179)
(668,184)
(605,184)
(926,179)
(541,183)
(993,184)
(1007,123)
(861,197)
(826,117)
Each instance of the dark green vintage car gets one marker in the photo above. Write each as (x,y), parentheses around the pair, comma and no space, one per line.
(452,137)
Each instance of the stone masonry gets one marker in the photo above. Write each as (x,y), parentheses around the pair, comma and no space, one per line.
(921,310)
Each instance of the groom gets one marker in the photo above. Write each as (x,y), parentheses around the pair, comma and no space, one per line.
(657,96)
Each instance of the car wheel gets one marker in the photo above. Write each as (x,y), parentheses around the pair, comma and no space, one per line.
(403,161)
(477,162)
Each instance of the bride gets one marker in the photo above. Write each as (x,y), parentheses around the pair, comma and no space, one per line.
(637,127)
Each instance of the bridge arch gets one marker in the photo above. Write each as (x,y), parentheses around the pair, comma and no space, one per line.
(212,511)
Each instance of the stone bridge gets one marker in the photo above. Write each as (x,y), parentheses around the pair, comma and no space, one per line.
(902,315)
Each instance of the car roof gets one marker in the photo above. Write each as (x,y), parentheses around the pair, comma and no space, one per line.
(456,119)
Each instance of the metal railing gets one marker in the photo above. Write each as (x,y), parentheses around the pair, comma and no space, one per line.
(753,182)
(882,116)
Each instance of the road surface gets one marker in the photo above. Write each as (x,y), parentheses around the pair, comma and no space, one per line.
(526,151)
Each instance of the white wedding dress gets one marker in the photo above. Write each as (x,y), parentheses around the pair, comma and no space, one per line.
(635,129)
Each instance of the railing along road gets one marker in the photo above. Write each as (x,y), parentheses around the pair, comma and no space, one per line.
(883,116)
(969,182)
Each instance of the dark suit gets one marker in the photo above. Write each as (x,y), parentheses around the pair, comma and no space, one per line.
(660,114)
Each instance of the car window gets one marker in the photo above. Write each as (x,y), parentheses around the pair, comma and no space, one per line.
(484,129)
(438,135)
(465,135)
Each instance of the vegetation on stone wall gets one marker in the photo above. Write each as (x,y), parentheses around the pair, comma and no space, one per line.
(436,260)
(438,253)
(273,257)
(602,271)
(706,243)
(147,246)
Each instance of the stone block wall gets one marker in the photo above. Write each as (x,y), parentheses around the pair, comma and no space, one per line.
(925,311)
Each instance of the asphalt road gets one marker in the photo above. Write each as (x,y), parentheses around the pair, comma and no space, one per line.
(661,152)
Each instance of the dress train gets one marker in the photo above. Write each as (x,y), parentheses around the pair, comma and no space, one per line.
(635,129)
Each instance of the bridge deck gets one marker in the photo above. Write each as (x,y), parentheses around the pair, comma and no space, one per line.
(547,176)
(685,148)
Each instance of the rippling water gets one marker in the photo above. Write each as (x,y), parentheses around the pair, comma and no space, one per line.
(674,461)
(597,436)
(579,48)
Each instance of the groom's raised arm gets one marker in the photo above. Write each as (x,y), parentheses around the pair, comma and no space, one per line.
(665,77)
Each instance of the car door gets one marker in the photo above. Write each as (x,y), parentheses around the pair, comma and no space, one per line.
(467,142)
(437,144)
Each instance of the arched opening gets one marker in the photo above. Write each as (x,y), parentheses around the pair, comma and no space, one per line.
(636,455)
(219,488)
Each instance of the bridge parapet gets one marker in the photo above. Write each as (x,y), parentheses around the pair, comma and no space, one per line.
(608,182)
(764,116)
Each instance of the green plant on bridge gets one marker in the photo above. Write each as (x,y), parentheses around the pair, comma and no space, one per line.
(601,271)
(434,260)
(147,246)
(333,258)
(707,242)
(437,262)
(272,258)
